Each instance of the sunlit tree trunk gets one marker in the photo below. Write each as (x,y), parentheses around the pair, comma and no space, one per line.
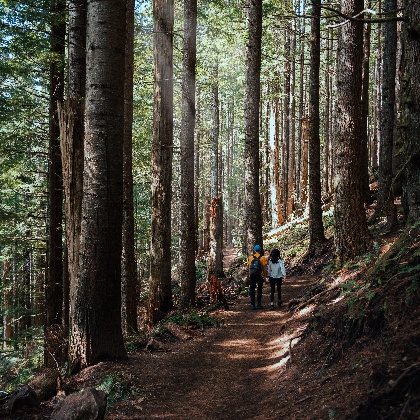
(187,234)
(160,299)
(351,233)
(292,143)
(253,217)
(96,332)
(71,139)
(286,126)
(197,170)
(216,218)
(304,166)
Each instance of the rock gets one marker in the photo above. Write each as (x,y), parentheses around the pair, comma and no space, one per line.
(45,383)
(88,404)
(154,345)
(22,398)
(177,331)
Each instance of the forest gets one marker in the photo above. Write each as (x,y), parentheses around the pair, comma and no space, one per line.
(143,142)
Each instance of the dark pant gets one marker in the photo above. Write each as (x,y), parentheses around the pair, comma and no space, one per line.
(255,281)
(273,283)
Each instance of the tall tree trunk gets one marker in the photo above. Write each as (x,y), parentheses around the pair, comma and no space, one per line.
(253,217)
(197,169)
(215,133)
(206,225)
(7,302)
(72,152)
(351,233)
(187,234)
(286,125)
(128,259)
(326,173)
(316,228)
(216,218)
(160,300)
(301,111)
(409,127)
(54,283)
(292,144)
(365,115)
(277,164)
(305,152)
(389,64)
(97,300)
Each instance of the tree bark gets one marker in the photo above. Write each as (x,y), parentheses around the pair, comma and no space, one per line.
(54,282)
(197,170)
(351,233)
(409,126)
(305,153)
(292,142)
(129,292)
(389,63)
(187,234)
(96,332)
(316,228)
(72,153)
(160,299)
(253,217)
(365,114)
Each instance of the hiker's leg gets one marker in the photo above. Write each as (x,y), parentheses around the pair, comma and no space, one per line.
(252,284)
(279,283)
(259,291)
(272,288)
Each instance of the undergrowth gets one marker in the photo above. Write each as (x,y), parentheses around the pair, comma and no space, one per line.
(118,387)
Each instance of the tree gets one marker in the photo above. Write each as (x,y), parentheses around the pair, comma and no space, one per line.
(351,233)
(187,234)
(253,216)
(71,142)
(215,264)
(409,126)
(160,299)
(385,203)
(365,114)
(54,283)
(129,269)
(96,332)
(316,228)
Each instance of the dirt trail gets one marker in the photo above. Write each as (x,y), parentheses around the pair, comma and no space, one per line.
(228,373)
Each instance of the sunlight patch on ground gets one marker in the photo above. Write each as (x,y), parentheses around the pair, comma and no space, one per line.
(305,311)
(337,300)
(237,343)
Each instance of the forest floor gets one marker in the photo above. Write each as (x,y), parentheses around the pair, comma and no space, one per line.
(304,360)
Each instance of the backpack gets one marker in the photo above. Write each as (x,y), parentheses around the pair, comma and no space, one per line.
(255,267)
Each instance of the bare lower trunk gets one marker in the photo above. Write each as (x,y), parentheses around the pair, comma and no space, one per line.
(351,233)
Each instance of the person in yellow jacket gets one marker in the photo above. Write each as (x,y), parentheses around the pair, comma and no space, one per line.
(257,266)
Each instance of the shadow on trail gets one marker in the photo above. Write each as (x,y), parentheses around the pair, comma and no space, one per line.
(225,374)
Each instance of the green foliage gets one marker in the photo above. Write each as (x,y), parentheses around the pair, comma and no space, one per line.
(21,357)
(411,293)
(118,386)
(193,318)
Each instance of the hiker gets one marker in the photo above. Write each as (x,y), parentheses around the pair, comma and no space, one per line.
(257,265)
(276,273)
